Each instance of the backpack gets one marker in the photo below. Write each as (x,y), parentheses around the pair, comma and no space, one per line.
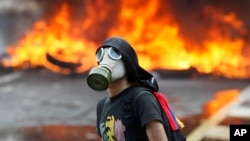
(172,124)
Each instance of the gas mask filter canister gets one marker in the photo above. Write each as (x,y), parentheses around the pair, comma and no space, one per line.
(99,78)
(110,68)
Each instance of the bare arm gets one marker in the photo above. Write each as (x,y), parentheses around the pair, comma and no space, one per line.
(155,131)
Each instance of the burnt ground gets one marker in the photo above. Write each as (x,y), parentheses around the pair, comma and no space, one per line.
(39,105)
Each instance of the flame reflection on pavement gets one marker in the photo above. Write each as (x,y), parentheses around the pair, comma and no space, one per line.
(51,133)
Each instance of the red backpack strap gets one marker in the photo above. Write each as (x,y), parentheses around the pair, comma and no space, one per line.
(168,111)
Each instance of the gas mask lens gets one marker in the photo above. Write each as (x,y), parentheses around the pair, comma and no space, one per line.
(99,54)
(112,52)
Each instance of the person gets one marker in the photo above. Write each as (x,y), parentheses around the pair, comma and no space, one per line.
(119,72)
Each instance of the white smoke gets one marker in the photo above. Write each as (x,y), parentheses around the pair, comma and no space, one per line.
(16,16)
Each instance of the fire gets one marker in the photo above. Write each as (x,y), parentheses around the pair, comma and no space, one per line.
(221,98)
(57,38)
(152,30)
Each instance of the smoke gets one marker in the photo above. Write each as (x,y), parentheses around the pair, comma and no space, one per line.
(195,17)
(15,19)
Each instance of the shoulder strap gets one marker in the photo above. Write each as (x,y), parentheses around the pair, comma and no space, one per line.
(167,110)
(174,122)
(171,123)
(100,106)
(127,114)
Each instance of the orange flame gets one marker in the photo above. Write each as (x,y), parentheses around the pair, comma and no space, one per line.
(221,98)
(151,30)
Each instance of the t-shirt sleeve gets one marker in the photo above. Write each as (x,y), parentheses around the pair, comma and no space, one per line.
(147,108)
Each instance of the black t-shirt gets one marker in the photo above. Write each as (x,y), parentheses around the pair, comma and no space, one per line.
(144,108)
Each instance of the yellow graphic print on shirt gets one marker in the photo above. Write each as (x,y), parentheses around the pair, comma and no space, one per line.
(110,125)
(112,129)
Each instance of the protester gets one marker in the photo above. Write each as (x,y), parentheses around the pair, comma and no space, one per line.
(119,73)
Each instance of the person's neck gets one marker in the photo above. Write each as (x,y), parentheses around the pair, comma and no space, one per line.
(117,86)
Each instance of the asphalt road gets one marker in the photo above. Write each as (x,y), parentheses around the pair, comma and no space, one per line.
(38,98)
(41,97)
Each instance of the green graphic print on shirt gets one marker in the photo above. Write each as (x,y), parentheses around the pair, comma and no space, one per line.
(112,129)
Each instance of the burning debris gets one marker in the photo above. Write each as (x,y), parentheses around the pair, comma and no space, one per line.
(211,37)
(69,65)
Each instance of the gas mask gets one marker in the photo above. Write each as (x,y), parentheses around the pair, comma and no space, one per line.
(110,68)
